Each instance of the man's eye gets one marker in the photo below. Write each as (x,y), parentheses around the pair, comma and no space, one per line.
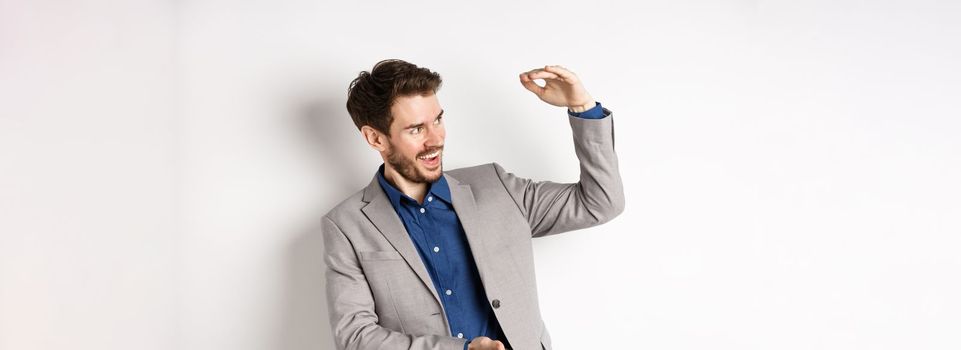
(415,131)
(437,121)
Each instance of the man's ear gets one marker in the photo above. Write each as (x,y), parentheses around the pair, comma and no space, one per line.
(376,139)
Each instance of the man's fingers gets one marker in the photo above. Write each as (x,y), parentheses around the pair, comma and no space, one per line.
(562,72)
(541,74)
(499,345)
(546,73)
(530,85)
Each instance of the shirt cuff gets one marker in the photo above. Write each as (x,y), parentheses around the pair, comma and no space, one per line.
(596,112)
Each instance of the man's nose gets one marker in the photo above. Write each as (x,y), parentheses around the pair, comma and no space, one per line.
(435,137)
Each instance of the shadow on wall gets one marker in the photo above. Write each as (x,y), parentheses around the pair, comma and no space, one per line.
(305,324)
(331,138)
(337,146)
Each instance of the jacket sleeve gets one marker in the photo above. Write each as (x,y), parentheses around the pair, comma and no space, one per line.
(598,196)
(351,303)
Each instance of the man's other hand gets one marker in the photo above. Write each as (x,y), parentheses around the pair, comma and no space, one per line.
(485,343)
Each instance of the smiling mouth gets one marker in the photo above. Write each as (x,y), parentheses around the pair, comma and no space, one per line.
(430,159)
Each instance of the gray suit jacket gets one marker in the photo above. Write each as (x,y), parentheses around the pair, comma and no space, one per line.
(379,293)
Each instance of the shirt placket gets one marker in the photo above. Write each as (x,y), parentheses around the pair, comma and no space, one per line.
(437,250)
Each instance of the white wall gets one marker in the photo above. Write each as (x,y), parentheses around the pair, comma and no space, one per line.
(88,184)
(790,167)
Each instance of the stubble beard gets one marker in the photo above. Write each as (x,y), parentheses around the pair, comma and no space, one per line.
(409,168)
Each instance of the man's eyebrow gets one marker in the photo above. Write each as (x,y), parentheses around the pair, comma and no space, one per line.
(422,124)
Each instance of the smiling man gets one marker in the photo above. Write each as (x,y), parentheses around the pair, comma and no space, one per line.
(424,258)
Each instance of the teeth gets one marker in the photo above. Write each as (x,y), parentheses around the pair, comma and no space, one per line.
(432,155)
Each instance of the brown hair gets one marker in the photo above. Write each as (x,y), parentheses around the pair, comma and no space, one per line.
(371,94)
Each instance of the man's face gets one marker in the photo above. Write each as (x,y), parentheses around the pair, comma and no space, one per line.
(416,144)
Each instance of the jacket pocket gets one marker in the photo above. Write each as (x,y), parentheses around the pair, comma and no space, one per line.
(381,255)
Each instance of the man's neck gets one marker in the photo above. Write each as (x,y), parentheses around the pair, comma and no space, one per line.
(415,190)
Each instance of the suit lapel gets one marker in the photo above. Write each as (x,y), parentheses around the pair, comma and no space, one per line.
(379,211)
(470,219)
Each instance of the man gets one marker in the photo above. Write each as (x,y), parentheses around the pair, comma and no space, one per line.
(429,259)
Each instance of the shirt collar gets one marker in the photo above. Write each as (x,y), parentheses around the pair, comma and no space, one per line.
(438,188)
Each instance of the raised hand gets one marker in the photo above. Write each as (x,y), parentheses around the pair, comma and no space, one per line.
(561,88)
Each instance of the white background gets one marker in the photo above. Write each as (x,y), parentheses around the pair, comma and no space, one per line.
(791,168)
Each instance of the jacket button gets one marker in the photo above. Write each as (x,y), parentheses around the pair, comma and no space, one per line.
(496,303)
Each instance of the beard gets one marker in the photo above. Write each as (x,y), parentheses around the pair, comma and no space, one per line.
(408,168)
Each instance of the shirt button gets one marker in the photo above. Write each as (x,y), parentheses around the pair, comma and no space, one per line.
(449,292)
(496,303)
(422,210)
(460,335)
(430,199)
(436,249)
